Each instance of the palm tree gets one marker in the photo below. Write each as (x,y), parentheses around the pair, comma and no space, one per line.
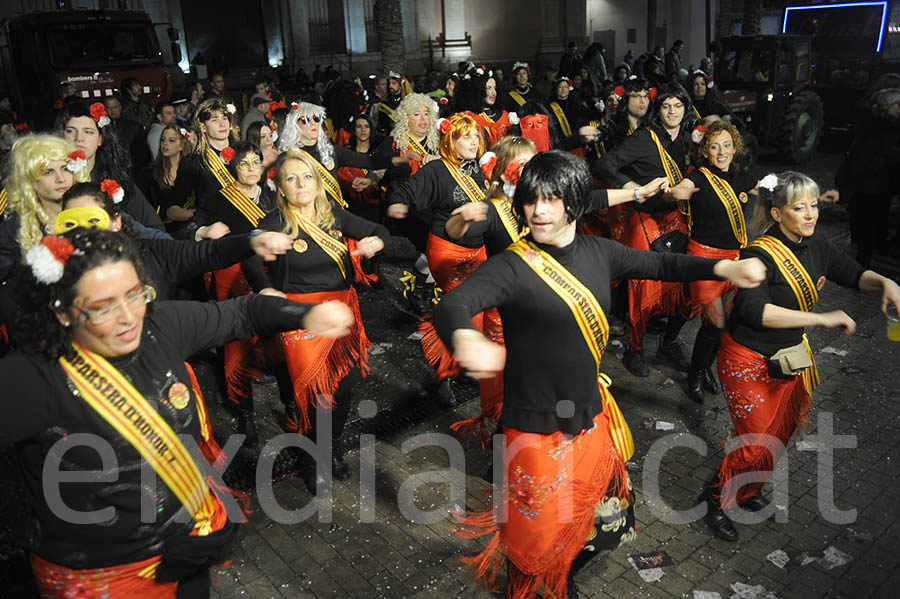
(389,24)
(752,16)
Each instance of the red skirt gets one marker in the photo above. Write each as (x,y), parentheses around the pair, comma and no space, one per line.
(647,298)
(316,364)
(450,265)
(765,410)
(555,483)
(703,293)
(244,358)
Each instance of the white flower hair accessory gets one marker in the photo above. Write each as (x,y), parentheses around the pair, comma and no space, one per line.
(112,189)
(48,258)
(231,108)
(698,133)
(486,157)
(767,186)
(76,161)
(513,118)
(185,133)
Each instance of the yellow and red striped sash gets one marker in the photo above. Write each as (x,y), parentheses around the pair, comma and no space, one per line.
(508,218)
(387,110)
(798,279)
(332,187)
(467,183)
(673,174)
(416,147)
(517,97)
(243,204)
(732,204)
(217,168)
(4,200)
(696,112)
(593,325)
(561,117)
(111,395)
(336,250)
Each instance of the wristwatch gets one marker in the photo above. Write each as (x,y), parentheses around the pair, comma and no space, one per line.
(637,194)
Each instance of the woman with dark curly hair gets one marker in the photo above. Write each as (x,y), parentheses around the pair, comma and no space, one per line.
(478,93)
(101,368)
(86,126)
(361,185)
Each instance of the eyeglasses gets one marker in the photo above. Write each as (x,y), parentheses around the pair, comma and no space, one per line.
(246,165)
(306,119)
(135,300)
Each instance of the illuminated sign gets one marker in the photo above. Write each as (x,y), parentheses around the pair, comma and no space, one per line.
(801,20)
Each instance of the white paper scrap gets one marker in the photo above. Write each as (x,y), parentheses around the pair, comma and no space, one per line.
(648,575)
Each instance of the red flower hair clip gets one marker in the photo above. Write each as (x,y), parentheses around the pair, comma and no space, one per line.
(698,133)
(227,154)
(652,93)
(512,172)
(619,91)
(444,126)
(270,179)
(112,189)
(98,113)
(487,163)
(76,161)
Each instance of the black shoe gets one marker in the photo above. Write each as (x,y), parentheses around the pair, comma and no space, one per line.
(710,384)
(635,363)
(445,395)
(291,418)
(247,425)
(695,386)
(720,524)
(673,353)
(339,468)
(756,503)
(420,298)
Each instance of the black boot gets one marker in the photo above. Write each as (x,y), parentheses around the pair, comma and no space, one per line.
(719,523)
(247,426)
(291,417)
(670,348)
(339,467)
(635,363)
(710,383)
(445,395)
(695,386)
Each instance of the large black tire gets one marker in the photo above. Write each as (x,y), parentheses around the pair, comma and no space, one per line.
(748,157)
(802,127)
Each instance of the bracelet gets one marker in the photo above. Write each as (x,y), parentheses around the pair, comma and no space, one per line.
(637,194)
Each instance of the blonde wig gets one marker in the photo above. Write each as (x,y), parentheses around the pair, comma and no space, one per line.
(205,112)
(507,149)
(409,105)
(791,187)
(322,203)
(461,124)
(28,158)
(289,136)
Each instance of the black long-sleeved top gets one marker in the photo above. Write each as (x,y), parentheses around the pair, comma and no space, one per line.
(547,359)
(637,159)
(343,157)
(711,225)
(170,261)
(38,408)
(820,258)
(433,187)
(311,270)
(216,208)
(194,180)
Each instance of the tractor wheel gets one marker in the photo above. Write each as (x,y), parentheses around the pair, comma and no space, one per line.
(802,127)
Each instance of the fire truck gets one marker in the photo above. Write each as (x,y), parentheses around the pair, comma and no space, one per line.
(92,50)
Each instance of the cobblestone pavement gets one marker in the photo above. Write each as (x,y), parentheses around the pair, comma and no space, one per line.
(390,556)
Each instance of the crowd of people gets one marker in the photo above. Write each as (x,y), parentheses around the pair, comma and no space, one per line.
(546,215)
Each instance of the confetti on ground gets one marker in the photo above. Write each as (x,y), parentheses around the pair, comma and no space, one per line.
(417,336)
(837,352)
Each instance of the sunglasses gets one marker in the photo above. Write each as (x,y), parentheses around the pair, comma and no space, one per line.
(306,119)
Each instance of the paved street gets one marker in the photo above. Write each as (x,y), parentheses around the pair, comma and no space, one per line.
(391,557)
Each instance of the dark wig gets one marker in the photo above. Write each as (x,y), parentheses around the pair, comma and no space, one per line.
(36,328)
(241,149)
(374,138)
(112,160)
(555,174)
(470,92)
(672,90)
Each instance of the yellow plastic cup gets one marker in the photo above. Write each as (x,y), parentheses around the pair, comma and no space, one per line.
(893,323)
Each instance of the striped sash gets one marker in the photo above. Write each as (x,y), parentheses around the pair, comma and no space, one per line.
(332,187)
(217,168)
(336,250)
(673,174)
(508,218)
(243,204)
(561,117)
(732,204)
(593,325)
(115,399)
(467,183)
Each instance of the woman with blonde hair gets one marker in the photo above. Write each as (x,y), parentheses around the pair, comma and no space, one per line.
(442,186)
(765,361)
(329,244)
(40,169)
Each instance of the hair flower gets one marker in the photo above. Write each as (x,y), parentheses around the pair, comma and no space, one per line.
(513,118)
(709,81)
(487,162)
(112,189)
(98,113)
(652,93)
(511,173)
(698,133)
(76,161)
(231,108)
(48,258)
(270,179)
(444,126)
(619,92)
(227,154)
(767,187)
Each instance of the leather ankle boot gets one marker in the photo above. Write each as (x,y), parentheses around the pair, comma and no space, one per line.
(695,386)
